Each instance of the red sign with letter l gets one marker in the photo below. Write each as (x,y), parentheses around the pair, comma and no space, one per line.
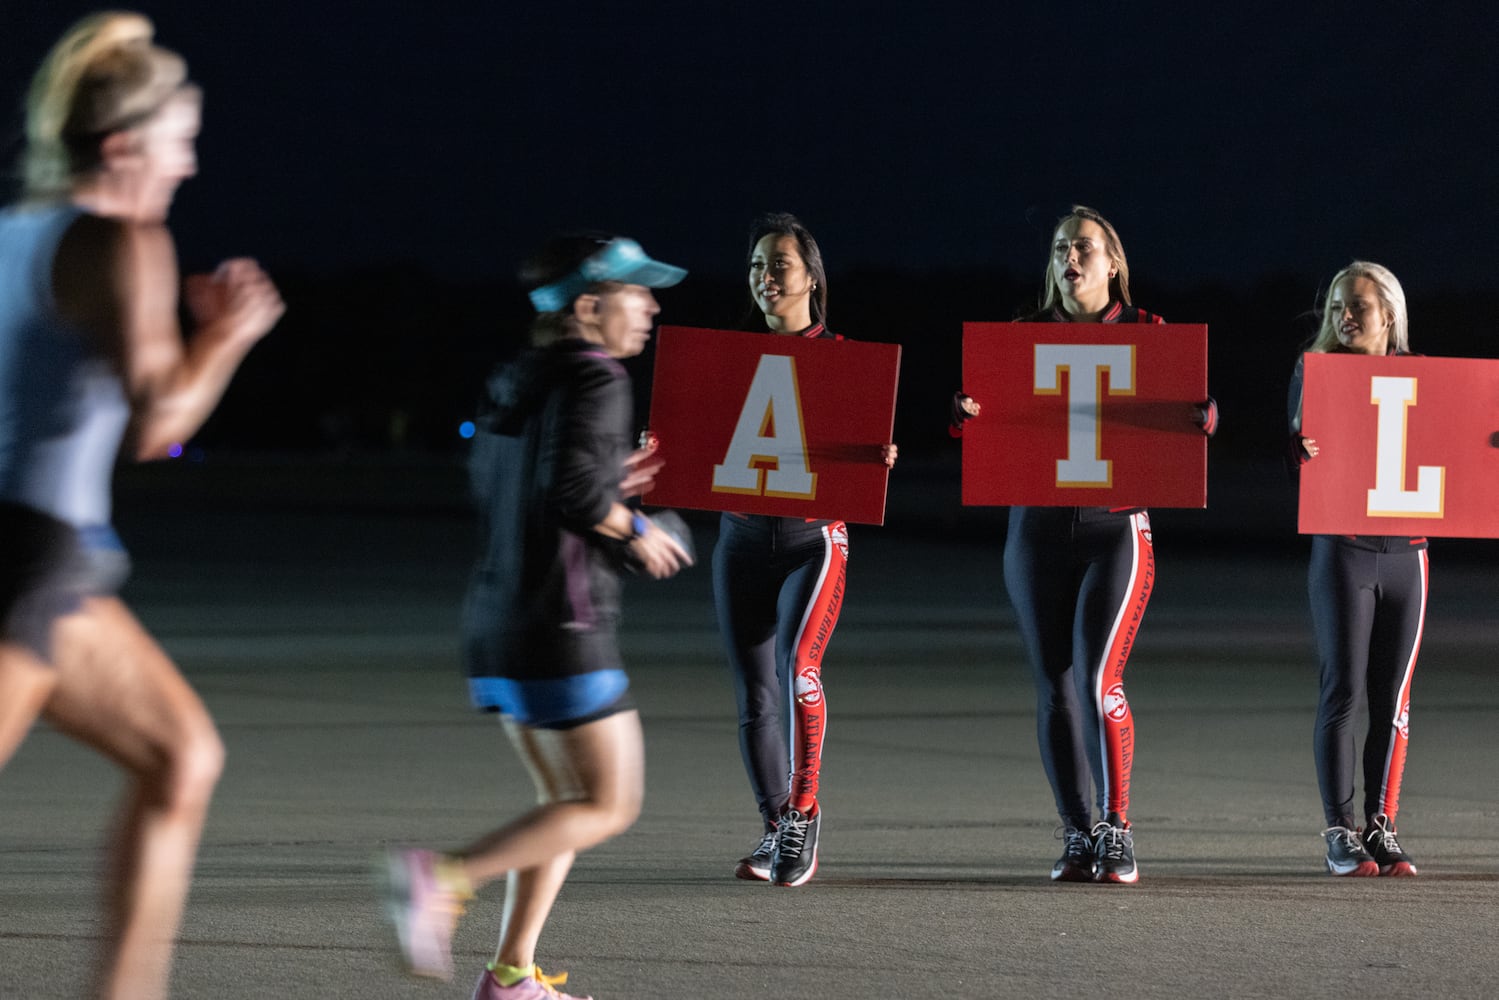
(1405,446)
(764,424)
(1085,414)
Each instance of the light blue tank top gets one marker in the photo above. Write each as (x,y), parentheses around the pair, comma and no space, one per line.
(62,405)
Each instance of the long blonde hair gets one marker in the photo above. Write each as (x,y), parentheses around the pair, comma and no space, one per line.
(1391,297)
(1118,287)
(103,76)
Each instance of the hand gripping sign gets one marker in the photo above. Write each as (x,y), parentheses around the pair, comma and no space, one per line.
(1085,414)
(765,424)
(1404,446)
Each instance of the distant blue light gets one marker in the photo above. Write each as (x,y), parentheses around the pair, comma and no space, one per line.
(175,451)
(466,429)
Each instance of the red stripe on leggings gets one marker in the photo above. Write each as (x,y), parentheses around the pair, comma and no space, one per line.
(1394,764)
(808,702)
(1116,723)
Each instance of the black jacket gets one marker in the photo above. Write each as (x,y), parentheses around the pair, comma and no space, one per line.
(548,457)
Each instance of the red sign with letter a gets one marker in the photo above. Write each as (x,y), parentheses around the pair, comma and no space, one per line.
(1405,446)
(1085,414)
(764,424)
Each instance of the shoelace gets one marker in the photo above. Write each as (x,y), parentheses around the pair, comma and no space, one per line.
(1384,838)
(1076,843)
(549,983)
(1110,842)
(793,833)
(1346,839)
(767,846)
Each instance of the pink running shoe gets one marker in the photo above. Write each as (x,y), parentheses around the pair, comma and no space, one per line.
(538,987)
(424,911)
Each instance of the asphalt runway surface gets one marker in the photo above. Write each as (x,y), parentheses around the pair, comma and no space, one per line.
(322,632)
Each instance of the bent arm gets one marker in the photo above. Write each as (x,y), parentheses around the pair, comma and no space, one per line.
(173,385)
(587,488)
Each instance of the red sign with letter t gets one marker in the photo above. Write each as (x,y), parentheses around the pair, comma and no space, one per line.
(765,424)
(1405,446)
(1085,414)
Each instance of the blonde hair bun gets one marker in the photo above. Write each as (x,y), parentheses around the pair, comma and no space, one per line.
(104,75)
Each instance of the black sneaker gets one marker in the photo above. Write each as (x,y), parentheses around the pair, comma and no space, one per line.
(1076,863)
(755,866)
(1114,853)
(795,860)
(1346,854)
(1380,842)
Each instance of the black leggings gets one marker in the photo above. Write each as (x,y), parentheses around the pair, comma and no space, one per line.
(1080,585)
(779,593)
(1368,610)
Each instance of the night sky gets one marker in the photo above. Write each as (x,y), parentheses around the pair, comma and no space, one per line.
(1226,143)
(390,163)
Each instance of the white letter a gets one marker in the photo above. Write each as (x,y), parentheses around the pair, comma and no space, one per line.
(769,433)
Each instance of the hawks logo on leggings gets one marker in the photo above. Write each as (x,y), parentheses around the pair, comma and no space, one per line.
(809,686)
(1114,704)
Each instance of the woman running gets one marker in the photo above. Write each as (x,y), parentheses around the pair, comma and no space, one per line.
(91,355)
(1368,598)
(551,466)
(1074,574)
(778,585)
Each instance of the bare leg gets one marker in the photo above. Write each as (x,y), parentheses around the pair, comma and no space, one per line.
(118,692)
(25,685)
(589,784)
(529,895)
